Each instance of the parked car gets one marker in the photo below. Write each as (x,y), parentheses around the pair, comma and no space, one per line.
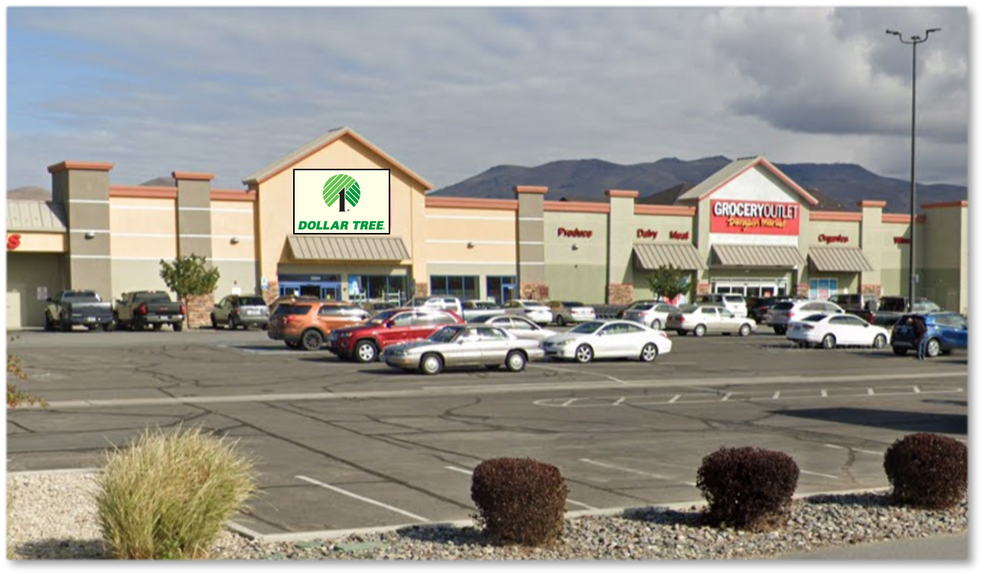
(143,308)
(437,303)
(535,311)
(733,302)
(365,341)
(621,313)
(947,331)
(709,318)
(568,312)
(861,305)
(464,345)
(374,307)
(519,326)
(608,339)
(652,313)
(759,306)
(307,325)
(78,308)
(245,311)
(474,308)
(893,308)
(833,330)
(290,299)
(780,315)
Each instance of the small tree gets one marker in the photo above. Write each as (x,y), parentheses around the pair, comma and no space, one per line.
(190,276)
(669,282)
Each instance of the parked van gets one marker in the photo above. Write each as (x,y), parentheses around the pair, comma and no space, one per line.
(733,302)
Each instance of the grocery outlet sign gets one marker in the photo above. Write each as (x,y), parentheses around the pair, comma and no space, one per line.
(755,217)
(354,201)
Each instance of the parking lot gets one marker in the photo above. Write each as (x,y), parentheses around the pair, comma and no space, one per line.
(343,445)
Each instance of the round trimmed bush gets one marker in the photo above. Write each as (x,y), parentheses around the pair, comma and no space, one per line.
(927,471)
(520,500)
(169,495)
(748,488)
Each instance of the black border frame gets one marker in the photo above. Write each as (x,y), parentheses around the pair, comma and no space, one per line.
(389,203)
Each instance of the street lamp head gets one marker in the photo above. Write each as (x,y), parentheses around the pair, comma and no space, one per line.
(892,32)
(932,30)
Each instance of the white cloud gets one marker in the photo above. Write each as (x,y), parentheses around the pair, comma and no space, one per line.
(451,92)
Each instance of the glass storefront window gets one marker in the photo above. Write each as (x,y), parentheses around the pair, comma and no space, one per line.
(822,288)
(379,287)
(463,287)
(500,288)
(324,286)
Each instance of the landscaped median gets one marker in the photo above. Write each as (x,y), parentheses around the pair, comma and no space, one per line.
(54,515)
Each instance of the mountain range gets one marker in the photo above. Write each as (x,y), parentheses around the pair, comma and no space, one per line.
(838,186)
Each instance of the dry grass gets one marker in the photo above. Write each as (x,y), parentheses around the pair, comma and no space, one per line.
(169,495)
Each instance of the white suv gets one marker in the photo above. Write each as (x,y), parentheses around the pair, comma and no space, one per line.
(733,302)
(437,303)
(780,315)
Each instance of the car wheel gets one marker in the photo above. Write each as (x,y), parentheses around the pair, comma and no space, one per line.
(265,327)
(559,320)
(311,339)
(880,341)
(515,361)
(49,324)
(366,351)
(158,326)
(681,332)
(700,330)
(109,326)
(656,325)
(292,345)
(233,323)
(745,330)
(215,325)
(829,342)
(900,351)
(649,352)
(65,326)
(430,364)
(933,348)
(178,327)
(584,354)
(780,330)
(803,344)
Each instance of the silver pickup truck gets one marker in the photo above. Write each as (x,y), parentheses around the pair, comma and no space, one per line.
(474,308)
(77,308)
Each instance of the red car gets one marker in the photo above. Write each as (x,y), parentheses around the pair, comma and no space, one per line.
(364,342)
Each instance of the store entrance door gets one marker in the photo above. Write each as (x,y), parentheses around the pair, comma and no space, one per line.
(754,288)
(508,292)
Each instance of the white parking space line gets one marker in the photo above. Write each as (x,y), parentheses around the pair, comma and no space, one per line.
(916,389)
(575,502)
(674,399)
(776,395)
(859,450)
(558,369)
(871,391)
(823,392)
(726,396)
(363,498)
(818,474)
(630,470)
(619,401)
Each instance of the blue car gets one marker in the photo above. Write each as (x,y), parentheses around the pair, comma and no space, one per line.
(946,331)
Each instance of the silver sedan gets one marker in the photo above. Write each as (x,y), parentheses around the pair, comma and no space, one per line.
(706,318)
(464,345)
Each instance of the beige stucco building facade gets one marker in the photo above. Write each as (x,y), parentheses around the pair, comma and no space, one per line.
(748,229)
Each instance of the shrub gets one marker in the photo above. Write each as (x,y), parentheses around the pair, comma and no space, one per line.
(927,471)
(748,488)
(169,494)
(520,500)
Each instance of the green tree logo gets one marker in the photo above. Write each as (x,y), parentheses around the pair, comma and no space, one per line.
(343,189)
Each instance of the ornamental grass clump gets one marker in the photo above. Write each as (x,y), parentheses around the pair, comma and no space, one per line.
(169,495)
(748,488)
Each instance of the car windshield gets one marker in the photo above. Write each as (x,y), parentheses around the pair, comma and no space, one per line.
(641,306)
(252,301)
(784,306)
(529,303)
(417,302)
(382,317)
(80,297)
(153,298)
(587,328)
(298,309)
(815,318)
(445,335)
(573,304)
(483,318)
(689,308)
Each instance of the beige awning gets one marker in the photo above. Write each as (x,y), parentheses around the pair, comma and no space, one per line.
(829,259)
(682,256)
(35,216)
(348,248)
(755,256)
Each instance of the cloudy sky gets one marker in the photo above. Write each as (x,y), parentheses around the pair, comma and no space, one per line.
(451,92)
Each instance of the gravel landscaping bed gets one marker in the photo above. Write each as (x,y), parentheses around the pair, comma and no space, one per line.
(53,517)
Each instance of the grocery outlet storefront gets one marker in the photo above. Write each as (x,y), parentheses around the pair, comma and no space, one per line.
(747,229)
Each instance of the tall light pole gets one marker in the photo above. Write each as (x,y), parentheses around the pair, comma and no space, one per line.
(914,41)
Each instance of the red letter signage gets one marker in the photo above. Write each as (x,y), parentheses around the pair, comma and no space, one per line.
(575,233)
(839,239)
(755,217)
(13,241)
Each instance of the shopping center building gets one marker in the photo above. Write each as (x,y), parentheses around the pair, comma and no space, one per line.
(748,229)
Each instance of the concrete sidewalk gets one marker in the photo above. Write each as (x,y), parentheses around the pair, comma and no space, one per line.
(949,547)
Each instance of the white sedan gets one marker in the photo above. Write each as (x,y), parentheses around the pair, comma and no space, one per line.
(535,311)
(833,330)
(516,325)
(611,339)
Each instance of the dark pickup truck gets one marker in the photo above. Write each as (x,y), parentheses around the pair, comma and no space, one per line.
(77,308)
(861,305)
(138,310)
(892,308)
